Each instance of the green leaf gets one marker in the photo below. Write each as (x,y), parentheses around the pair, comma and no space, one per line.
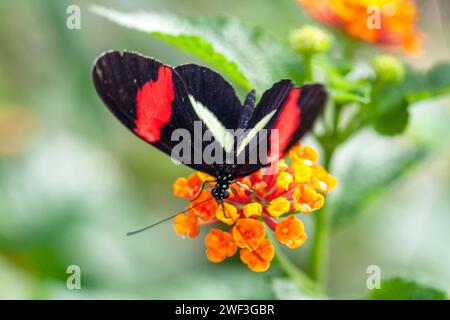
(348,96)
(343,90)
(420,86)
(364,182)
(403,289)
(248,57)
(388,111)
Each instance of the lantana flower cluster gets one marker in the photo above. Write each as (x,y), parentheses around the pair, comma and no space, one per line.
(397,25)
(258,204)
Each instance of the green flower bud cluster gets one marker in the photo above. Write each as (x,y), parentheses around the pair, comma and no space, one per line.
(309,40)
(388,69)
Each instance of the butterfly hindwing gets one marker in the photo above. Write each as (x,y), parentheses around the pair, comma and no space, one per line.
(296,117)
(294,112)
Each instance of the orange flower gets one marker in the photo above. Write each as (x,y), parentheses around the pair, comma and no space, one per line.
(186,225)
(260,187)
(203,208)
(256,201)
(204,177)
(182,189)
(188,188)
(307,199)
(303,152)
(249,233)
(259,259)
(388,23)
(219,245)
(290,232)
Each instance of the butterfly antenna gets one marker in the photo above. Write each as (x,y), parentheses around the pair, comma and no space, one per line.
(201,189)
(167,219)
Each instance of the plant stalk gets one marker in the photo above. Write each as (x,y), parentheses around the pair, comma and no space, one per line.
(291,270)
(308,63)
(319,260)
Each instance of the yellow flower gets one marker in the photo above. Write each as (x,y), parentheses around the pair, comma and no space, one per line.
(300,153)
(302,172)
(322,180)
(253,209)
(278,207)
(284,180)
(229,216)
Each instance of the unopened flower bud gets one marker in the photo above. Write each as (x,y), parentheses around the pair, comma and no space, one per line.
(388,69)
(310,40)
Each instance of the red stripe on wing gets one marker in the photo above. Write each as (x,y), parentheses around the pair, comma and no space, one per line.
(287,123)
(153,105)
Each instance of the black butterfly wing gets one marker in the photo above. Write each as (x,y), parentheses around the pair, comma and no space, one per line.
(153,100)
(294,110)
(211,90)
(150,99)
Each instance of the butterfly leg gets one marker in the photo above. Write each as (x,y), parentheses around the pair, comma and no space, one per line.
(246,187)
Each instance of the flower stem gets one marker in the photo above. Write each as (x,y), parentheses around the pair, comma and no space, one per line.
(318,263)
(349,48)
(289,268)
(308,62)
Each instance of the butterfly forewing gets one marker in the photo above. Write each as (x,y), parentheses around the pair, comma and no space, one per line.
(149,98)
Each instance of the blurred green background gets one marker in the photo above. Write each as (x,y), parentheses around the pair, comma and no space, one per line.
(73,181)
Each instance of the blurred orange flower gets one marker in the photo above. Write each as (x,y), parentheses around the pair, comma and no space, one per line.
(255,204)
(17,129)
(387,23)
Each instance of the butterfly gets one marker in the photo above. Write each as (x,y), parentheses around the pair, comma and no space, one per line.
(160,104)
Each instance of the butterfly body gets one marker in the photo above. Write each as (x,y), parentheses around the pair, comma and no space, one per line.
(224,178)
